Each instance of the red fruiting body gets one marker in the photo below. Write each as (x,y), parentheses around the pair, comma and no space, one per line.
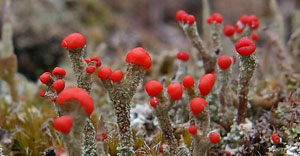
(53,99)
(59,85)
(191,19)
(90,69)
(210,20)
(104,73)
(178,14)
(245,46)
(229,30)
(87,60)
(154,101)
(183,56)
(193,129)
(244,19)
(175,91)
(228,153)
(73,41)
(59,72)
(183,17)
(45,77)
(116,76)
(239,29)
(197,105)
(253,22)
(276,138)
(214,137)
(64,124)
(153,88)
(161,149)
(254,36)
(139,56)
(104,136)
(81,95)
(206,84)
(42,93)
(217,17)
(188,81)
(97,59)
(224,62)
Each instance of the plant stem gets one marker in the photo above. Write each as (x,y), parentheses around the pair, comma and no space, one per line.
(247,69)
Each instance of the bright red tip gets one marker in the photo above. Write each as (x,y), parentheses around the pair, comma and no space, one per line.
(191,19)
(183,56)
(193,129)
(153,88)
(217,17)
(178,14)
(224,62)
(276,138)
(79,94)
(90,69)
(197,105)
(42,93)
(97,59)
(254,36)
(245,19)
(104,73)
(188,81)
(229,30)
(175,91)
(59,72)
(206,84)
(154,101)
(210,20)
(139,56)
(116,76)
(73,41)
(59,85)
(45,77)
(245,46)
(64,124)
(214,137)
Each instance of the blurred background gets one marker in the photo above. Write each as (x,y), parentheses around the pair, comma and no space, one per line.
(115,26)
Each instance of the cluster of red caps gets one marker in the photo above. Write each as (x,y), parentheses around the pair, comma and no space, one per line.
(215,18)
(213,136)
(58,85)
(182,16)
(250,20)
(137,56)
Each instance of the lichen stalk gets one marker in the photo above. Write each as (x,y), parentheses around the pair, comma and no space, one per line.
(78,66)
(205,14)
(89,140)
(161,112)
(200,143)
(216,37)
(209,59)
(121,94)
(280,52)
(8,68)
(74,140)
(7,32)
(8,61)
(247,69)
(294,42)
(225,94)
(84,81)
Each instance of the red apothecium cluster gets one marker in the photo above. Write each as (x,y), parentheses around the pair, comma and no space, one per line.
(215,17)
(182,16)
